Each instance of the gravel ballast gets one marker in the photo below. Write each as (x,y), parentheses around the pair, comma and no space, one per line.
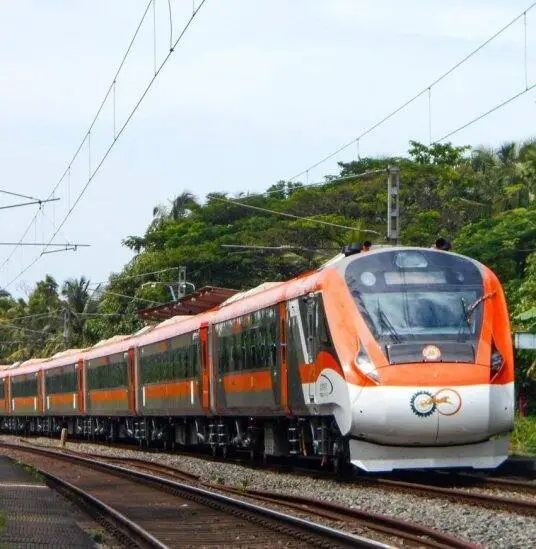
(490,528)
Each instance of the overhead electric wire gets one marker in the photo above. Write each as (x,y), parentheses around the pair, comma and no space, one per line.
(20,195)
(67,170)
(483,115)
(32,203)
(132,297)
(100,314)
(44,244)
(314,185)
(119,277)
(116,137)
(36,315)
(284,214)
(5,323)
(426,89)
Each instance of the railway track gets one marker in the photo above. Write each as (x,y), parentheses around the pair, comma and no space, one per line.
(481,499)
(144,510)
(438,485)
(465,480)
(408,533)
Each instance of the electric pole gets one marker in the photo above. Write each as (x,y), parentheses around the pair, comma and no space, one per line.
(66,318)
(393,211)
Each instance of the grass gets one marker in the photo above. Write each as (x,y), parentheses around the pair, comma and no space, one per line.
(523,437)
(3,520)
(33,471)
(98,536)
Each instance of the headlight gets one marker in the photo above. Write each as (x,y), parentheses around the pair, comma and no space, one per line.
(496,362)
(366,365)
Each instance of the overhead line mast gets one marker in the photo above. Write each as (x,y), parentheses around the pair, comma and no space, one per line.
(110,94)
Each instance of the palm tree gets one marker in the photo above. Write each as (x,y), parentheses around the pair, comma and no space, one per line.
(160,214)
(76,294)
(484,160)
(507,154)
(181,205)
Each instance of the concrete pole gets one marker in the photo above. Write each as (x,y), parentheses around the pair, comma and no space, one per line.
(393,212)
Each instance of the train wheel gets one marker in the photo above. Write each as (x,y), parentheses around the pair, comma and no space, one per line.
(340,458)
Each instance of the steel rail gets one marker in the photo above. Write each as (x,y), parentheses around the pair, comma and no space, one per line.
(308,528)
(520,506)
(114,521)
(410,531)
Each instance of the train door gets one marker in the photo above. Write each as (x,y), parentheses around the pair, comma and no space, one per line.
(5,381)
(283,358)
(40,392)
(205,372)
(311,330)
(298,359)
(80,386)
(131,365)
(8,394)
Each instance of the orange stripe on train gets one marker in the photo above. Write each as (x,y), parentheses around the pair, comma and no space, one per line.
(61,398)
(247,382)
(24,401)
(163,390)
(103,395)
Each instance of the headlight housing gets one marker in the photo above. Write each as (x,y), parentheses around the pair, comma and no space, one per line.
(496,362)
(366,365)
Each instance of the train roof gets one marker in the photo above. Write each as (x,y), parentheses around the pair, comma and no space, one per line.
(264,295)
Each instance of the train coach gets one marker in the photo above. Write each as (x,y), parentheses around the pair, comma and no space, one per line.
(390,359)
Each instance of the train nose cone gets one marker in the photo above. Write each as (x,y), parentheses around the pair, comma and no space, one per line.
(432,415)
(396,415)
(470,413)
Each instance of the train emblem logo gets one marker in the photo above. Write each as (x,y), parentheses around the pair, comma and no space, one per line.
(446,401)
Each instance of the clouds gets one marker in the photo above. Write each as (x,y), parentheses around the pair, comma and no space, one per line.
(257,91)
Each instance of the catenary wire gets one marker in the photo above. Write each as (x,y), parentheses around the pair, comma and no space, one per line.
(284,214)
(315,184)
(19,195)
(67,170)
(416,96)
(106,154)
(483,115)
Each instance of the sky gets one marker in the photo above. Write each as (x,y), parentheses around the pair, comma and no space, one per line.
(256,91)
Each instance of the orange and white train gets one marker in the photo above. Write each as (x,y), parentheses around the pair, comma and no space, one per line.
(391,359)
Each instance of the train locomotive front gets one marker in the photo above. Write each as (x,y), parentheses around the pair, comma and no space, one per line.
(431,384)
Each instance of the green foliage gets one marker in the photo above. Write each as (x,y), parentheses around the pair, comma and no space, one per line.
(481,199)
(523,437)
(439,154)
(98,536)
(502,242)
(33,471)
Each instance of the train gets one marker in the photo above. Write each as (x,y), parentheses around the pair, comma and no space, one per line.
(390,359)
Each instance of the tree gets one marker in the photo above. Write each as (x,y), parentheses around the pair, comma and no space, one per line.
(76,294)
(438,154)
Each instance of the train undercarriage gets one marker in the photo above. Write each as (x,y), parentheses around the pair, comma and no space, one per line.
(283,437)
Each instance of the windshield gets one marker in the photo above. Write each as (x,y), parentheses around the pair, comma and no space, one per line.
(408,295)
(419,312)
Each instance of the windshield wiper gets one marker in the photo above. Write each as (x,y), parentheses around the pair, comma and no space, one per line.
(467,312)
(384,321)
(465,321)
(471,309)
